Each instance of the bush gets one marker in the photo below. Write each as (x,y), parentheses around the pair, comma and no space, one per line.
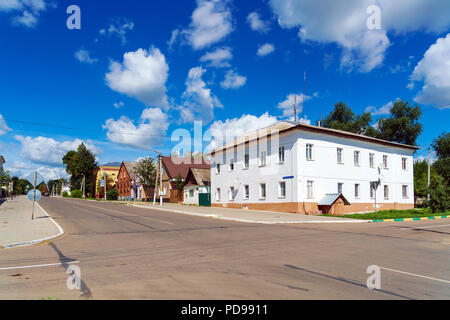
(112,195)
(439,196)
(77,194)
(65,194)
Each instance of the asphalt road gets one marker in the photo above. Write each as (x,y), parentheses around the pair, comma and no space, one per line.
(132,253)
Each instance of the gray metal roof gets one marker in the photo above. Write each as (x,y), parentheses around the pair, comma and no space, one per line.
(331,198)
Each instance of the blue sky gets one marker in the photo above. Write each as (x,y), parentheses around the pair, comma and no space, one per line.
(137,71)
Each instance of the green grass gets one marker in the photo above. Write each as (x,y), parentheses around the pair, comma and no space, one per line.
(394,214)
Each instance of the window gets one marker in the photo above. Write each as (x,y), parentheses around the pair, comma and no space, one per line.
(246,161)
(404,164)
(356,158)
(386,192)
(340,158)
(356,191)
(282,189)
(372,190)
(231,195)
(310,189)
(405,192)
(385,162)
(281,155)
(340,187)
(262,191)
(246,192)
(262,159)
(309,152)
(218,168)
(218,194)
(231,165)
(372,160)
(191,193)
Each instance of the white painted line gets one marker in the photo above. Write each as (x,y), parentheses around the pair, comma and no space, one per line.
(129,215)
(32,242)
(38,266)
(415,275)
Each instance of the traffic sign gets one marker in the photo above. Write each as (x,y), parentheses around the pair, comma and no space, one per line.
(31,197)
(39,179)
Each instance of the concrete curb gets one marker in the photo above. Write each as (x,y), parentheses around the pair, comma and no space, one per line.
(33,242)
(410,219)
(219,217)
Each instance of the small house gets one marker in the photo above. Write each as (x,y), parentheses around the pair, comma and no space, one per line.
(197,188)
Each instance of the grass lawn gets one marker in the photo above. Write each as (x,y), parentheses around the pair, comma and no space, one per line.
(394,214)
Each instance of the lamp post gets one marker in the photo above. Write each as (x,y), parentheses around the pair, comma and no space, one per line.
(158,173)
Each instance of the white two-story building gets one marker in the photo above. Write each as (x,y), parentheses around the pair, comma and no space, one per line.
(301,168)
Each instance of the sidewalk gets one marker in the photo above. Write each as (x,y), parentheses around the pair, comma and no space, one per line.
(16,227)
(250,216)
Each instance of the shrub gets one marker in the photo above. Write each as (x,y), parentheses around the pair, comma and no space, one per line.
(439,196)
(77,194)
(65,194)
(112,195)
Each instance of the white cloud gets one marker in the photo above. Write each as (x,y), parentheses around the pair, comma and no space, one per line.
(383,110)
(3,126)
(218,58)
(211,23)
(265,49)
(233,80)
(173,38)
(434,71)
(84,56)
(345,23)
(225,131)
(199,100)
(148,133)
(31,10)
(287,106)
(256,23)
(49,151)
(118,28)
(118,105)
(142,75)
(22,169)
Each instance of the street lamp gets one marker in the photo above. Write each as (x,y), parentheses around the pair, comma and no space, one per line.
(158,172)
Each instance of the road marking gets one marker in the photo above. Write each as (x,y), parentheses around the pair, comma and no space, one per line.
(38,266)
(415,275)
(130,215)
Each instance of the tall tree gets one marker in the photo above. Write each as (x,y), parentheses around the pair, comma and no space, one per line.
(441,147)
(403,125)
(79,164)
(145,171)
(343,118)
(22,186)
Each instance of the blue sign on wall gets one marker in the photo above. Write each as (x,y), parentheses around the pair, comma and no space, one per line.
(287,178)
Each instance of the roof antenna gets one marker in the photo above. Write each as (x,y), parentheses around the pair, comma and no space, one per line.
(295,108)
(304,89)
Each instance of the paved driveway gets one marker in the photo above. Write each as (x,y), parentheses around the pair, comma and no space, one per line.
(125,252)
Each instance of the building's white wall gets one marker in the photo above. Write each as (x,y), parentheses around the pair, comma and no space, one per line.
(191,200)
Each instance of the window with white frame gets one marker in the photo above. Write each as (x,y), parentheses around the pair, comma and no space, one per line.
(218,194)
(231,165)
(385,162)
(281,155)
(262,190)
(405,191)
(356,158)
(356,191)
(246,192)
(309,151)
(386,192)
(246,161)
(218,168)
(191,193)
(404,162)
(282,189)
(340,187)
(231,194)
(262,158)
(372,160)
(310,189)
(340,156)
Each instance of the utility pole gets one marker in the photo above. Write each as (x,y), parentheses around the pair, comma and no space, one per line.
(34,195)
(156,183)
(104,182)
(429,172)
(83,186)
(160,181)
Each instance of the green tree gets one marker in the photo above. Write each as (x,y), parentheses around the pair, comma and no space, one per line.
(343,118)
(4,177)
(441,147)
(179,182)
(439,196)
(145,171)
(79,164)
(403,125)
(23,186)
(421,177)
